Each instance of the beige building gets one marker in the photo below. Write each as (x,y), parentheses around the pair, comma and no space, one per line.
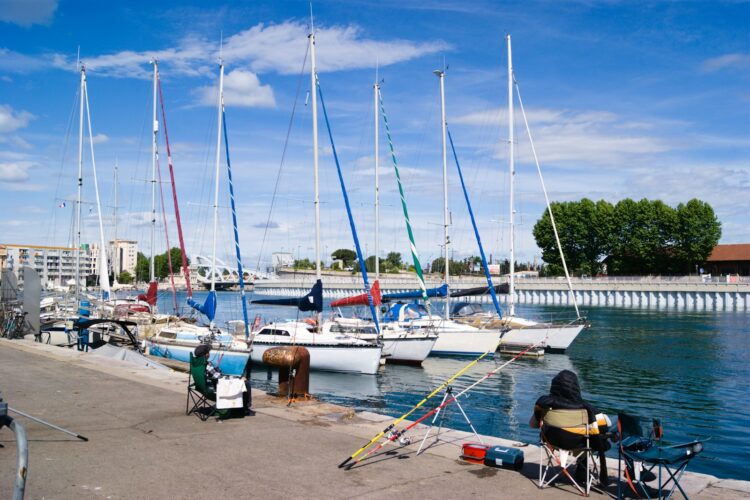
(122,256)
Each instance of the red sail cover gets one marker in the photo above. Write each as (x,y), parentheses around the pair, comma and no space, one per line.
(361,299)
(150,296)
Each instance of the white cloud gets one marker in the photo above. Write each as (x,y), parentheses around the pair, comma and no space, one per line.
(569,137)
(100,138)
(11,120)
(27,12)
(274,48)
(14,172)
(735,60)
(241,88)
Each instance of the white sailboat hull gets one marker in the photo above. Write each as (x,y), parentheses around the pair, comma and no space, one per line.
(554,338)
(347,358)
(456,342)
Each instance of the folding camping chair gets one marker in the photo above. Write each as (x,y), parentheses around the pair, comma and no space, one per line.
(560,454)
(642,450)
(199,391)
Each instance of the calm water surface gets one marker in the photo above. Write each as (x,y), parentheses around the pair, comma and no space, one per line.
(691,368)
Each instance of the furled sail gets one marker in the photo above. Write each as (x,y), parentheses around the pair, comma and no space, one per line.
(440,291)
(480,290)
(150,296)
(313,301)
(361,299)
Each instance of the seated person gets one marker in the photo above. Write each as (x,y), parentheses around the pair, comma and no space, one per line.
(565,394)
(213,374)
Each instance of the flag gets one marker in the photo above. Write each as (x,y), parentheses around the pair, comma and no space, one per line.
(61,205)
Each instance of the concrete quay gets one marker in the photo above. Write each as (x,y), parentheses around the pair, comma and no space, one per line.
(143,446)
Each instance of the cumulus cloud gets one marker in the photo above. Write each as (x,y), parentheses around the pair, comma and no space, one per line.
(736,60)
(11,120)
(14,171)
(100,139)
(575,137)
(241,88)
(264,48)
(27,12)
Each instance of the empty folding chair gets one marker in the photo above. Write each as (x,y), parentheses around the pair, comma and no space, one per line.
(642,451)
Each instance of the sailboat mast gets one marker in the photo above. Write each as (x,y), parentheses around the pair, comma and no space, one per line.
(313,95)
(155,130)
(216,173)
(512,174)
(376,89)
(446,215)
(115,259)
(80,186)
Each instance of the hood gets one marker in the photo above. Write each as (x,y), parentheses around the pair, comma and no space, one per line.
(565,385)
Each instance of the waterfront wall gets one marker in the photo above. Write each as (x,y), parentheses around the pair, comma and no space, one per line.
(640,292)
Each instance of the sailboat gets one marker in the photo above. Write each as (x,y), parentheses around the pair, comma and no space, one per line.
(58,330)
(454,338)
(177,341)
(521,332)
(329,348)
(400,345)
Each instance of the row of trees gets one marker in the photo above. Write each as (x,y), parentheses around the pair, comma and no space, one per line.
(629,237)
(161,265)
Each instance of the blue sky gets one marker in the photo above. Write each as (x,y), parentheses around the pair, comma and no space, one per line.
(624,99)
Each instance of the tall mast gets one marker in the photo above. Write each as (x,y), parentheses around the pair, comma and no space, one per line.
(216,173)
(80,186)
(376,89)
(512,174)
(313,91)
(446,216)
(155,130)
(115,259)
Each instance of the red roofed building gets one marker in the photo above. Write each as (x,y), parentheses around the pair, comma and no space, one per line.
(729,259)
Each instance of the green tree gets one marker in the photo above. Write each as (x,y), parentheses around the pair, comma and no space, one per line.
(457,267)
(125,278)
(142,271)
(345,255)
(393,262)
(303,264)
(698,232)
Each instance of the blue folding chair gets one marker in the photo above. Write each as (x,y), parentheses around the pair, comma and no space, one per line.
(642,450)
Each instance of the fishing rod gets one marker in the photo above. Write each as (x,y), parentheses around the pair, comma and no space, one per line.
(395,435)
(52,426)
(415,408)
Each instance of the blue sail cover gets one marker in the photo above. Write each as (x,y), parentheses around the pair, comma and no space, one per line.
(313,301)
(208,307)
(440,291)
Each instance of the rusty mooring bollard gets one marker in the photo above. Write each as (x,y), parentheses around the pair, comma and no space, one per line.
(293,363)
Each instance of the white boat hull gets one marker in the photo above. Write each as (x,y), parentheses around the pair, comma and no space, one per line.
(465,342)
(336,358)
(554,338)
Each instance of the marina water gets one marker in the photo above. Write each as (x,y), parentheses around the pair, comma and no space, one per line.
(689,368)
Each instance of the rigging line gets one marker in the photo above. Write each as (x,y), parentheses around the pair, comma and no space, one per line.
(53,226)
(234,224)
(166,234)
(415,408)
(546,199)
(363,266)
(476,231)
(281,164)
(412,244)
(185,267)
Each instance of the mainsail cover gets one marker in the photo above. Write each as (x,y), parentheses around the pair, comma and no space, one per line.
(440,291)
(361,299)
(208,307)
(313,301)
(480,290)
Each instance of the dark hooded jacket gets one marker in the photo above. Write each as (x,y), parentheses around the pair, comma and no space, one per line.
(564,394)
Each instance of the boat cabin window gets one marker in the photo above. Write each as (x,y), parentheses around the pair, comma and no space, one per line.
(167,335)
(339,328)
(274,331)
